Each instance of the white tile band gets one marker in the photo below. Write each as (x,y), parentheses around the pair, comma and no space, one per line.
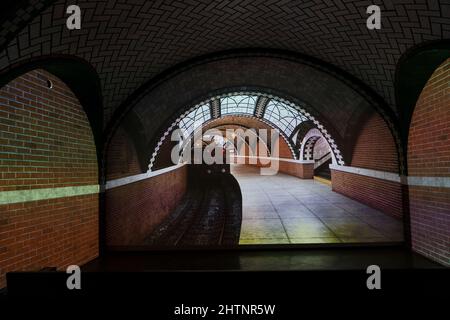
(437,182)
(389,176)
(18,196)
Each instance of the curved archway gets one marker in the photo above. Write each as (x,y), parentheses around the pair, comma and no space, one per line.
(308,142)
(413,71)
(428,167)
(286,120)
(337,100)
(79,76)
(49,150)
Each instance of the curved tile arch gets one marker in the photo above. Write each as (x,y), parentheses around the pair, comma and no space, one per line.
(307,116)
(284,116)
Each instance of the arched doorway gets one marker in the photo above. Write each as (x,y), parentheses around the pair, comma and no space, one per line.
(428,168)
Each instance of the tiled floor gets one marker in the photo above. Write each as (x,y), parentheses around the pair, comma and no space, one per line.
(282,209)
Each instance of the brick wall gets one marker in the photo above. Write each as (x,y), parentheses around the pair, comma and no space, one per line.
(45,142)
(300,170)
(48,233)
(375,147)
(429,156)
(383,195)
(122,159)
(45,139)
(135,209)
(164,157)
(284,150)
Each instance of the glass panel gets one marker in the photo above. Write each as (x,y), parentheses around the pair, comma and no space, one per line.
(283,116)
(194,119)
(238,104)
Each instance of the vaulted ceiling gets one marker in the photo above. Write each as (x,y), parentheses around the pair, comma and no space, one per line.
(131,42)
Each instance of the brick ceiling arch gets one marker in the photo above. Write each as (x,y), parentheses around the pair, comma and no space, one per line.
(129,43)
(237,122)
(245,122)
(79,76)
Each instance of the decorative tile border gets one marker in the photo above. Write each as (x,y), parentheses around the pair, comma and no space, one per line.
(18,196)
(336,152)
(389,176)
(437,182)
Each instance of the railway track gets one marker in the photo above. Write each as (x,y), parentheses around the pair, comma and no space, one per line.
(209,215)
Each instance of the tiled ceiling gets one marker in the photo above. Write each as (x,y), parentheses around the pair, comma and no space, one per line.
(129,42)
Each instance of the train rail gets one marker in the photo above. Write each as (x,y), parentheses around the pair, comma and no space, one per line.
(209,215)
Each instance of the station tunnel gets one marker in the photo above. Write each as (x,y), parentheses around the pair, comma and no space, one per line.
(100,128)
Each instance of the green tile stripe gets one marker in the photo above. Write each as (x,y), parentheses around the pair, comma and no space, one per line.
(8,197)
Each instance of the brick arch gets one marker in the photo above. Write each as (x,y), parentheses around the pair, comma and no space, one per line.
(375,146)
(257,123)
(247,122)
(49,197)
(246,146)
(78,75)
(121,155)
(429,168)
(413,70)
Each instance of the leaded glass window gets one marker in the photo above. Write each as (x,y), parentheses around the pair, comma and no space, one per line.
(285,117)
(195,119)
(238,105)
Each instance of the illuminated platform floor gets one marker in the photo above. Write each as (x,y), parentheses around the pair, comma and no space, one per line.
(283,209)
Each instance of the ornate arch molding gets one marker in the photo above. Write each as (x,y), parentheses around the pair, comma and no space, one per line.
(308,143)
(79,76)
(414,69)
(323,131)
(300,132)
